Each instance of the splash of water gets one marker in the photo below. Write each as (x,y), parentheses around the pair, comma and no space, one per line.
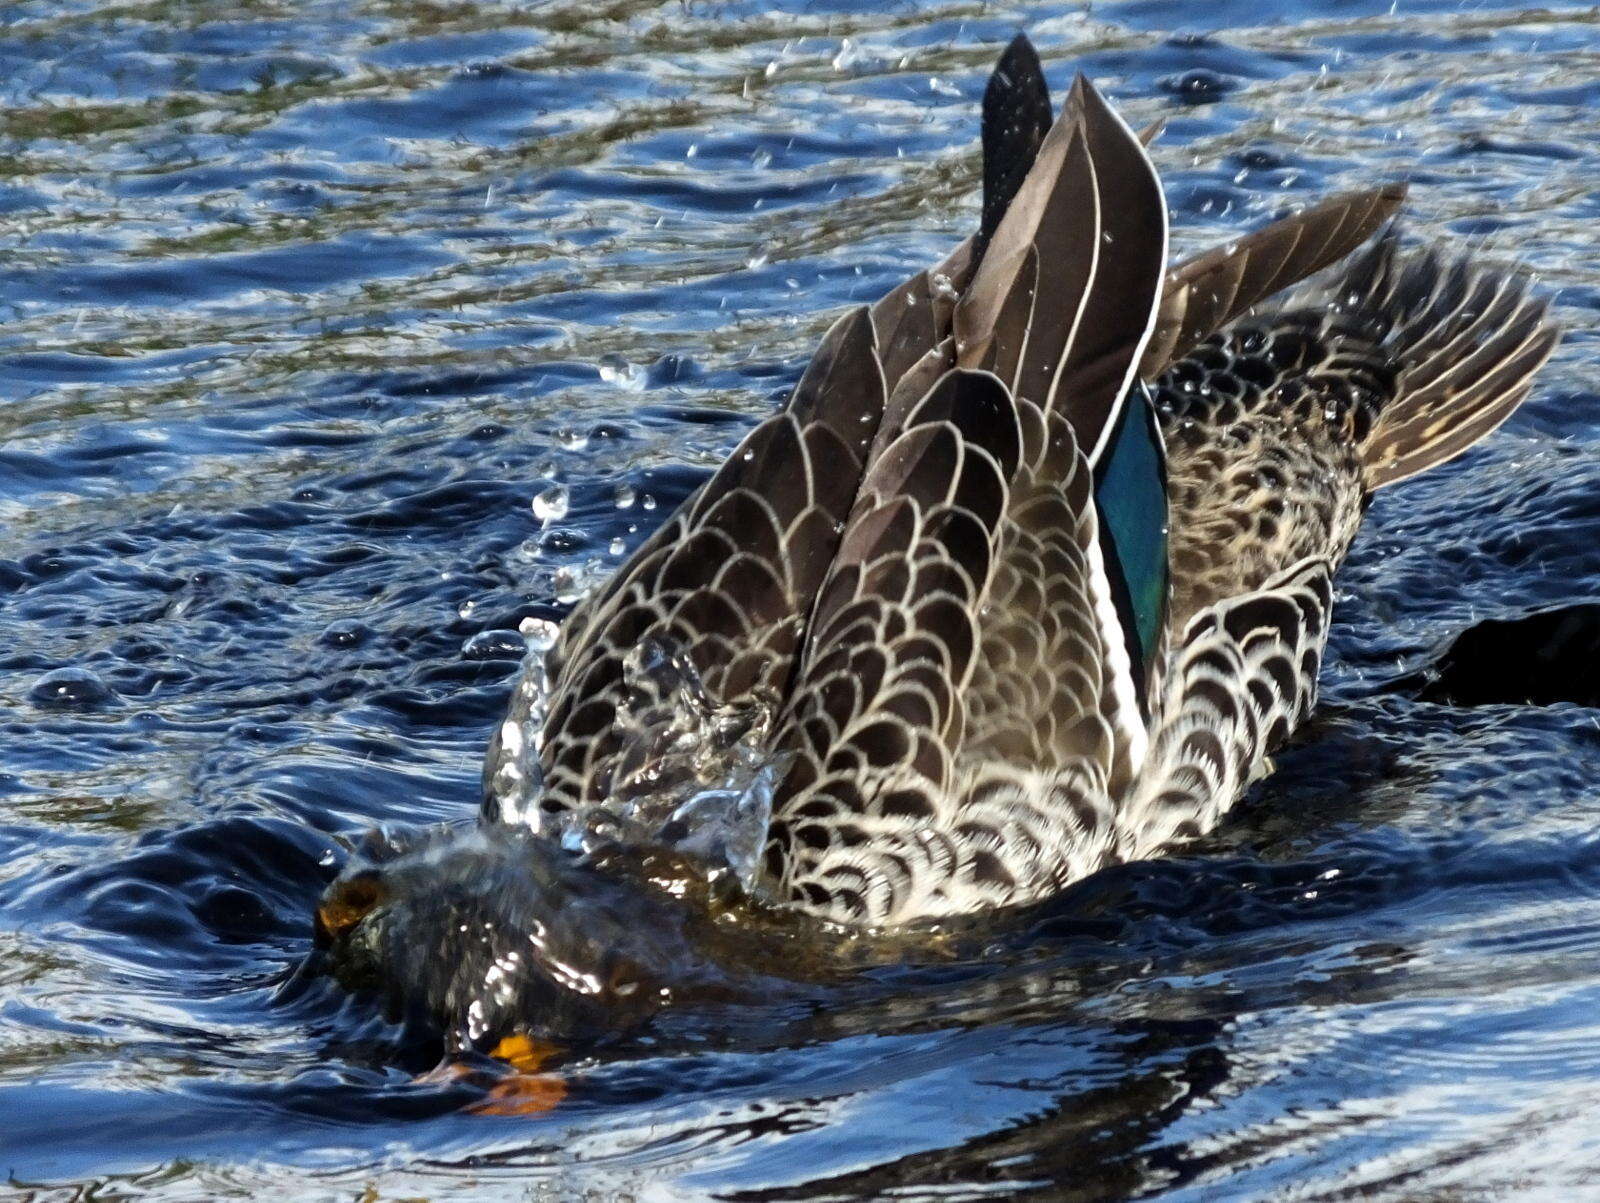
(691,774)
(513,777)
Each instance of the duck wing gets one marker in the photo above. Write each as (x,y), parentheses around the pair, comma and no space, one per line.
(1046,310)
(1279,427)
(730,580)
(1244,677)
(968,630)
(1205,293)
(726,582)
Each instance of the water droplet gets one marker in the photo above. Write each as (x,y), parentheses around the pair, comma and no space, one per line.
(551,505)
(698,779)
(466,608)
(70,689)
(618,372)
(761,159)
(572,440)
(539,634)
(568,585)
(346,632)
(647,502)
(625,497)
(493,645)
(1199,86)
(757,261)
(672,368)
(560,539)
(617,546)
(943,288)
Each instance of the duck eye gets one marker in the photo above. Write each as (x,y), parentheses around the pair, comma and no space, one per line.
(347,903)
(622,977)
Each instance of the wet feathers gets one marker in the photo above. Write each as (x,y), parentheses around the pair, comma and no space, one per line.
(1034,567)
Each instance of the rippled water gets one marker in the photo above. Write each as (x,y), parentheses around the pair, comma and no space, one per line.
(304,304)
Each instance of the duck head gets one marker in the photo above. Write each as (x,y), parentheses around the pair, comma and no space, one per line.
(568,924)
(492,931)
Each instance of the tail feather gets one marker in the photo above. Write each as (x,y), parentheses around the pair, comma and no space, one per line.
(1468,340)
(1205,293)
(1016,118)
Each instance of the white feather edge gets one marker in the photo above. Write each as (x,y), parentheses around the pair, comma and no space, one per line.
(1127,718)
(1155,302)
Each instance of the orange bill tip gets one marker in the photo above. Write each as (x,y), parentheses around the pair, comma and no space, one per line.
(524,1053)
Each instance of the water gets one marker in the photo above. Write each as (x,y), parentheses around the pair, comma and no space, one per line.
(304,306)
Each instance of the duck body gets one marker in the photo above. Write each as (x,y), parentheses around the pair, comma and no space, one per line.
(1032,572)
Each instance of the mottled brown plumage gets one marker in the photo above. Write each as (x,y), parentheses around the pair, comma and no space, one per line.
(922,565)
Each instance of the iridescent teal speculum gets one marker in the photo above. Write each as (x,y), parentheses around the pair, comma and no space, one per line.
(1131,500)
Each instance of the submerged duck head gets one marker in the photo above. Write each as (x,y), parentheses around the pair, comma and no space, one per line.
(568,924)
(484,933)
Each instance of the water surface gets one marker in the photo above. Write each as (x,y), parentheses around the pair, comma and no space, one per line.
(301,305)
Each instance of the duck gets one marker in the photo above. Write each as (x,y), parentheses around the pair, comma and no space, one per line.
(1030,576)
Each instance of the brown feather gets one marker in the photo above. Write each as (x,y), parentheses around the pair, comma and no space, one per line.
(1467,339)
(1117,313)
(1091,198)
(1205,293)
(761,532)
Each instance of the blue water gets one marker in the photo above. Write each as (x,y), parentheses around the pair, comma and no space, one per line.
(300,307)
